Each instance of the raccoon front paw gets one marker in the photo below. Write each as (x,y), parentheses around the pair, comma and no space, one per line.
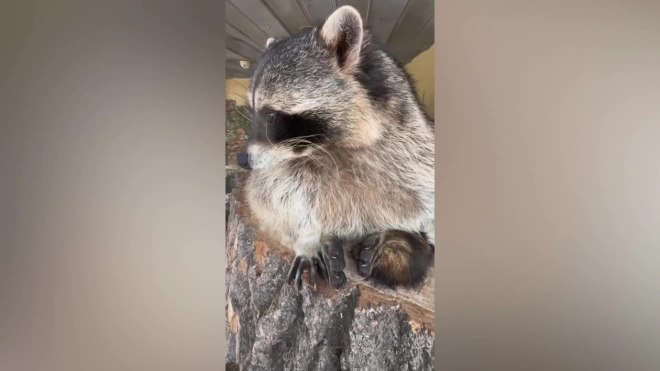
(329,265)
(394,258)
(332,255)
(299,266)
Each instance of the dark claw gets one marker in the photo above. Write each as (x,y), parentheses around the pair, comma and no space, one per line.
(294,269)
(312,274)
(329,265)
(370,241)
(336,249)
(365,261)
(320,266)
(367,250)
(339,281)
(304,264)
(298,267)
(332,254)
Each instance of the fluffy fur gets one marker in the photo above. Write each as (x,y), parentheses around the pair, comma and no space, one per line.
(341,148)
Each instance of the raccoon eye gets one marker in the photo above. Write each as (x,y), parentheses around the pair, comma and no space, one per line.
(270,117)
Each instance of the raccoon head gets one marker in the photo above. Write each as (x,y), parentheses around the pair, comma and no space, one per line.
(306,92)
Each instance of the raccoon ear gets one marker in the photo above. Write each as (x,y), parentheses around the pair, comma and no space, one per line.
(269,42)
(342,33)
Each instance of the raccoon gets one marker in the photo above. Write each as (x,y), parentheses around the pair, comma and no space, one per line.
(341,156)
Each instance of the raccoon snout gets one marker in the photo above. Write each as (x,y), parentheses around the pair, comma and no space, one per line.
(243,160)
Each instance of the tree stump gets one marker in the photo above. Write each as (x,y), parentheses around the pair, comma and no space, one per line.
(271,327)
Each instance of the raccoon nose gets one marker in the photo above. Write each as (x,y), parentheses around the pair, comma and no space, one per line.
(242,160)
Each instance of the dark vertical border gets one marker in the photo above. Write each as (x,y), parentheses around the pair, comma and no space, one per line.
(112,193)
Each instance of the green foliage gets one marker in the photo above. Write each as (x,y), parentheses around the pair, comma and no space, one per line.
(237,119)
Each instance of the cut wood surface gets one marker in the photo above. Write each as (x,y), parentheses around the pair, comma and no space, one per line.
(272,327)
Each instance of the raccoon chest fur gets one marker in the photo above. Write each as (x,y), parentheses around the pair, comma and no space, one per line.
(327,196)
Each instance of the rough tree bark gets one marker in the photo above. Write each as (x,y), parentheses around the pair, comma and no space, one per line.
(270,327)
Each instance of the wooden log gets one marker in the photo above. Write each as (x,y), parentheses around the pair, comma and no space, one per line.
(271,327)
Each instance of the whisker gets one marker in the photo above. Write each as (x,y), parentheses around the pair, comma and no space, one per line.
(316,149)
(329,155)
(242,114)
(271,143)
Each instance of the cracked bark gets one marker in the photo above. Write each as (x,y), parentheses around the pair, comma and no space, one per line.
(270,327)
